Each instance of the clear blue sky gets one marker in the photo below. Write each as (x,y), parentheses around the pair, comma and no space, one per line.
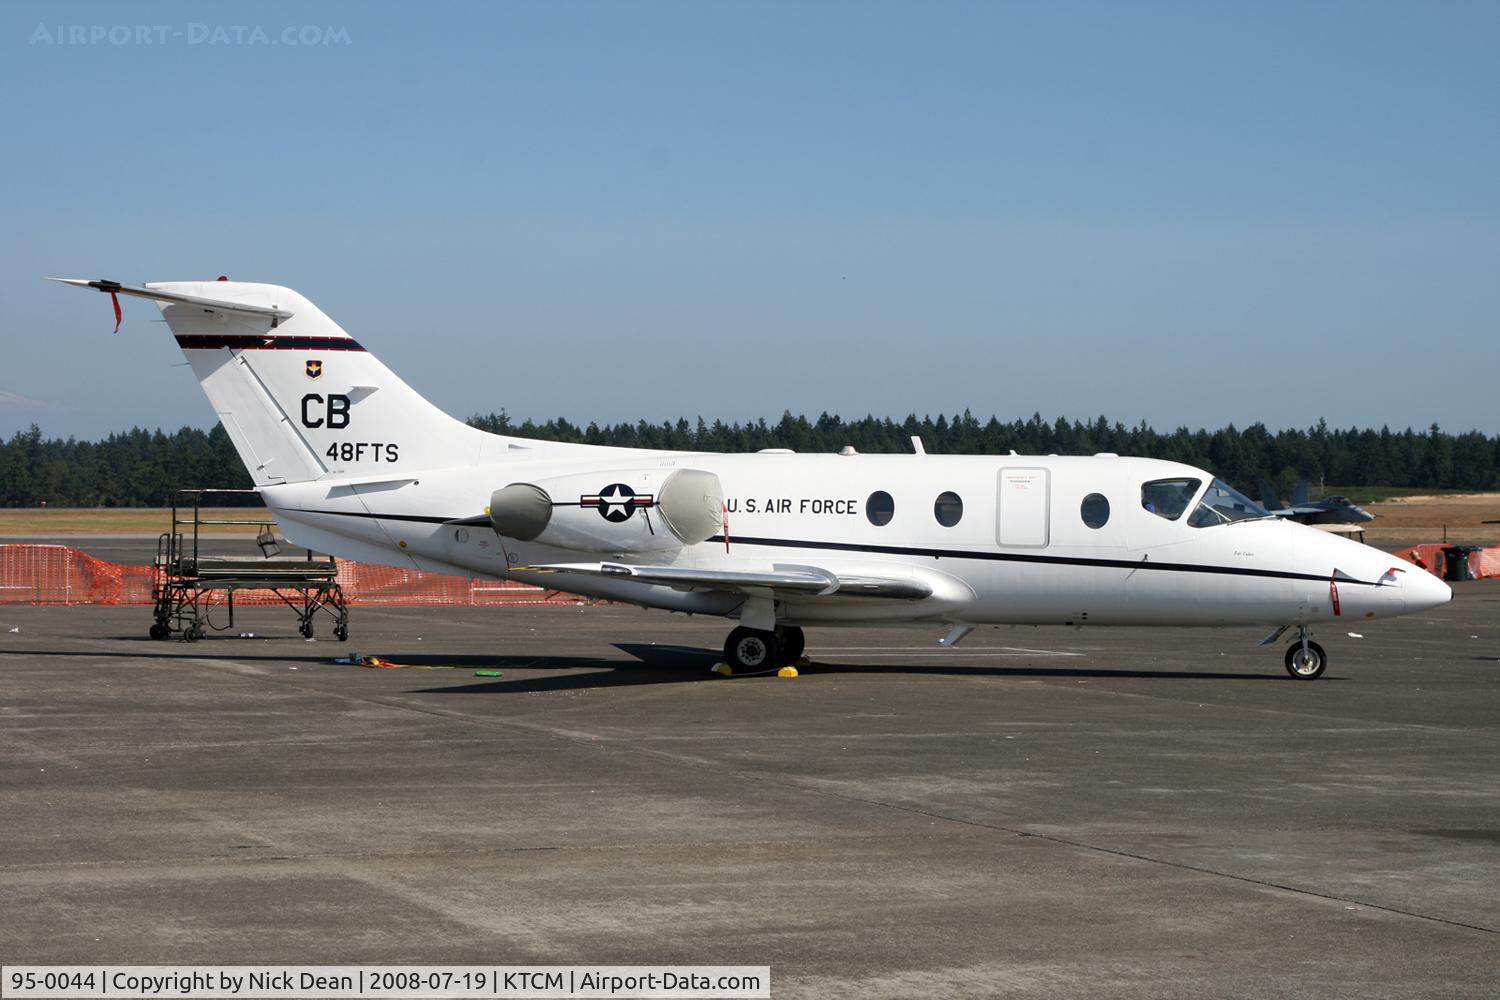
(1189,213)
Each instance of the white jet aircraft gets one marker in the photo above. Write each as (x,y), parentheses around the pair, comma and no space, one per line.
(355,463)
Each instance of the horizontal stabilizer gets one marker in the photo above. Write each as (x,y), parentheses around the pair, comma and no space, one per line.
(807,581)
(213,305)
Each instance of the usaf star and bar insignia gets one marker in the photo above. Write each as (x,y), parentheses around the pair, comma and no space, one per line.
(617,502)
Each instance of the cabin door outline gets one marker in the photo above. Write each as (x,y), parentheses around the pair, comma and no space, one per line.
(1023,501)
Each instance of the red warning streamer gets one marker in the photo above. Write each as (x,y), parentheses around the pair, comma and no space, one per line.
(1333,593)
(118,315)
(725,512)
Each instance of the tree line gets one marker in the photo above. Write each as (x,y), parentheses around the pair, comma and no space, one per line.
(140,468)
(137,468)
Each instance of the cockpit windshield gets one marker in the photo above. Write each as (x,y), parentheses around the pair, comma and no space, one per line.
(1222,504)
(1168,498)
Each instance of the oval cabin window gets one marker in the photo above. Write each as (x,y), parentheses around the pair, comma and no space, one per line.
(948,509)
(1095,510)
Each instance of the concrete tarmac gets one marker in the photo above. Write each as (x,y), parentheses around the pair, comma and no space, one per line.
(1100,813)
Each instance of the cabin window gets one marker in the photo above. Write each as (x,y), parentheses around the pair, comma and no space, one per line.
(948,509)
(880,508)
(1168,498)
(1222,504)
(1094,510)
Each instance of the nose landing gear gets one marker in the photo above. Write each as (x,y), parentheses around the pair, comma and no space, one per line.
(1305,659)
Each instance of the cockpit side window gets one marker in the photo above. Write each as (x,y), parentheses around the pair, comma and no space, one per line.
(1223,504)
(1168,498)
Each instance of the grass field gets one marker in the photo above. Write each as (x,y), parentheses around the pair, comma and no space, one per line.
(118,520)
(1427,517)
(1384,494)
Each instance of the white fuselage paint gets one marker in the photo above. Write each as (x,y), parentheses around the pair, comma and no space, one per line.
(787,511)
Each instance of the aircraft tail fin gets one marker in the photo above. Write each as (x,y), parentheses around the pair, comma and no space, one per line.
(300,398)
(1299,495)
(1268,496)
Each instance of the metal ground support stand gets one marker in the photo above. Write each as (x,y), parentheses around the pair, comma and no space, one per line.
(188,585)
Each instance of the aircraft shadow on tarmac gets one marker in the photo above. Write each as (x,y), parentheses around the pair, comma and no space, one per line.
(683,664)
(649,664)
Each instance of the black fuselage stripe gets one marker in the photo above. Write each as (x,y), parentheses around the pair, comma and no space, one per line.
(1023,557)
(1144,562)
(267,342)
(419,518)
(636,502)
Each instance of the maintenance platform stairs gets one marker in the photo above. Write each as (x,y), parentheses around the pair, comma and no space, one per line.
(190,585)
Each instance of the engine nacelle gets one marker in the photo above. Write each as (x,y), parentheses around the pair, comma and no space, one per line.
(639,510)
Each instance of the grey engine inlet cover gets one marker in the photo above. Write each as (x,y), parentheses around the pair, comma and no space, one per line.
(692,503)
(520,511)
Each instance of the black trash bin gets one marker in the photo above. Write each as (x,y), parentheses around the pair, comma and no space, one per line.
(1456,562)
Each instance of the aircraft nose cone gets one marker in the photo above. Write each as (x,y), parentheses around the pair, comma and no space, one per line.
(1425,591)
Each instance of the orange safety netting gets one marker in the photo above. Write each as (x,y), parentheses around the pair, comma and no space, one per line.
(1485,563)
(57,574)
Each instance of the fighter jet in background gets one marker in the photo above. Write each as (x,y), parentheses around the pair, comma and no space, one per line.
(1329,510)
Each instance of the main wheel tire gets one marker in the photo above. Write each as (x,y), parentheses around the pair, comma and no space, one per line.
(750,649)
(1306,665)
(793,644)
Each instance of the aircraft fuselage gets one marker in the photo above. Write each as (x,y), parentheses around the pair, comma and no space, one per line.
(1018,549)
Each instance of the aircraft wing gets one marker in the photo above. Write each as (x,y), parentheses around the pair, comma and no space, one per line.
(803,581)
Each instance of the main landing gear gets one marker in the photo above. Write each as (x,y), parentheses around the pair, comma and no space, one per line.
(750,649)
(1305,659)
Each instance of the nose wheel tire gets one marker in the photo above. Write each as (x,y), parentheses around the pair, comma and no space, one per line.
(1306,664)
(750,649)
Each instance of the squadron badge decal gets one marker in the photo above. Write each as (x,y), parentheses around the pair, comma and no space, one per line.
(617,502)
(314,368)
